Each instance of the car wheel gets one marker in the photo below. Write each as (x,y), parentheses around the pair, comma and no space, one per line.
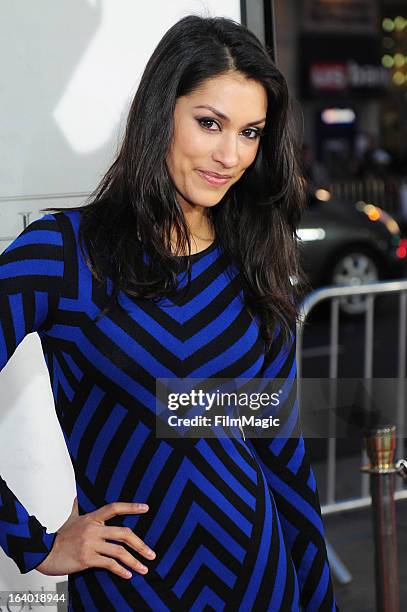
(355,267)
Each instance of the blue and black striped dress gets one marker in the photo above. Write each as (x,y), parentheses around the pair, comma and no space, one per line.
(235,523)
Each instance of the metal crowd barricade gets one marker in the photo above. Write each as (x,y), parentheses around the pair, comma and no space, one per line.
(388,192)
(334,294)
(386,579)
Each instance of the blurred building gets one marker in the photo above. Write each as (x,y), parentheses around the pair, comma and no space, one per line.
(346,63)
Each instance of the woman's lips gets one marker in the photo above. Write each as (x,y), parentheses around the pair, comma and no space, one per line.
(213,180)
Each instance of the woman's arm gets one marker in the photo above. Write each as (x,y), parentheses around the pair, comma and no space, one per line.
(289,474)
(31,275)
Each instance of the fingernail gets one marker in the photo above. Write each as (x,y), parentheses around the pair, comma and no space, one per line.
(151,554)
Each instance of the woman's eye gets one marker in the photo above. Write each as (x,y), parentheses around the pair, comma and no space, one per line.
(206,120)
(255,133)
(250,133)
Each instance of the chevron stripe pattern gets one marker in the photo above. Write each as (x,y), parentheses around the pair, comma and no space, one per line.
(235,523)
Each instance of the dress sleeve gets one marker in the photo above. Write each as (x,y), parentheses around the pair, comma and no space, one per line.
(31,274)
(287,469)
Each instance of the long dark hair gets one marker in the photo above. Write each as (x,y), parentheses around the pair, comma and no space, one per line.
(134,207)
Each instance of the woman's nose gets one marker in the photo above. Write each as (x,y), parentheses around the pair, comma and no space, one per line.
(226,151)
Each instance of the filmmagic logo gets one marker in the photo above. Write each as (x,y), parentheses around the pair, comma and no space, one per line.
(254,401)
(215,401)
(224,421)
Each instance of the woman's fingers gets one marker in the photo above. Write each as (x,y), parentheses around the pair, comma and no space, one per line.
(125,534)
(111,565)
(107,511)
(121,554)
(81,543)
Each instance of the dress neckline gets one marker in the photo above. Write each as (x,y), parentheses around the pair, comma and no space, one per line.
(194,256)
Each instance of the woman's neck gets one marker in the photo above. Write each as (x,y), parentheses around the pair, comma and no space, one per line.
(201,231)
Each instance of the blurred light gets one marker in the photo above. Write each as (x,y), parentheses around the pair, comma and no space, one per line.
(399,23)
(399,60)
(308,234)
(387,42)
(401,251)
(389,222)
(393,226)
(388,24)
(375,213)
(399,78)
(323,194)
(387,61)
(331,116)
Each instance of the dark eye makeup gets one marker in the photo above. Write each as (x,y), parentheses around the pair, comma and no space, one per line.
(258,132)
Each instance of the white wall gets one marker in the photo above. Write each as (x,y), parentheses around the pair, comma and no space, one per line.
(69,71)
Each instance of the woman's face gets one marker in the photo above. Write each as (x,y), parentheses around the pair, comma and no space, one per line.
(221,140)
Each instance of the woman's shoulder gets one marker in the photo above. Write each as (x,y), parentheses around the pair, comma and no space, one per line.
(68,221)
(65,229)
(72,215)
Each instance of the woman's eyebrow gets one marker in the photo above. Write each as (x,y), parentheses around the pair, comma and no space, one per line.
(222,116)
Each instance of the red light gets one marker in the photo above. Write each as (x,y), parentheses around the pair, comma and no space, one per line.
(401,251)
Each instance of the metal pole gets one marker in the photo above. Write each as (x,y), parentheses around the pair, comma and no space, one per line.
(243,12)
(401,373)
(270,37)
(333,374)
(368,374)
(380,446)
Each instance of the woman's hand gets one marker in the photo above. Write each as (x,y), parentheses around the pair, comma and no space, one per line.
(81,543)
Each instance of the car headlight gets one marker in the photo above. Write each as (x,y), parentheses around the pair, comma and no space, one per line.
(309,234)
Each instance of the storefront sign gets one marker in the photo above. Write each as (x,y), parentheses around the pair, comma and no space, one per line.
(341,65)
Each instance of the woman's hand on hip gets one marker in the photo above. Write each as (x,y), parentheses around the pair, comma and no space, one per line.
(81,543)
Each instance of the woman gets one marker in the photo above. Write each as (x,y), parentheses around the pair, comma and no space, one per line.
(206,183)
